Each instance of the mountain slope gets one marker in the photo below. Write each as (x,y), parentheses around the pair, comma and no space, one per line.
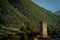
(23,16)
(35,12)
(57,12)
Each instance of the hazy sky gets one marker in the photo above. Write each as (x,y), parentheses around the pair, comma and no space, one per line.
(52,5)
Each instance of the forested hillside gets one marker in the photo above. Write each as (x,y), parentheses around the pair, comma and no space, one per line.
(24,16)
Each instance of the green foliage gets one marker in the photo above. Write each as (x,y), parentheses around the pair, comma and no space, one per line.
(25,37)
(14,37)
(24,16)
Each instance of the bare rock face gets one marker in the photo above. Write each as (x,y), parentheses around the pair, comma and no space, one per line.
(57,12)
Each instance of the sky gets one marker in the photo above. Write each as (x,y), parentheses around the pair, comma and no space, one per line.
(52,5)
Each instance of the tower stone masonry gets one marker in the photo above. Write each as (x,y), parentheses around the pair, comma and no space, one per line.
(44,29)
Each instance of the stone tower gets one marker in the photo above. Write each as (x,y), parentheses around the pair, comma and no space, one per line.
(44,29)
